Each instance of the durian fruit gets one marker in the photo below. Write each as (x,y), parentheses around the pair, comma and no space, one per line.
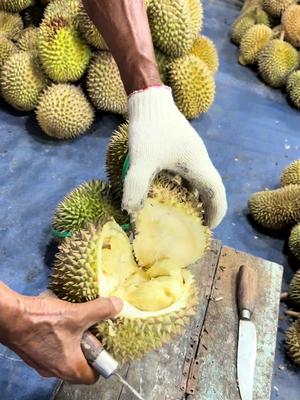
(276,209)
(292,342)
(15,5)
(63,53)
(291,174)
(276,61)
(28,40)
(89,30)
(293,88)
(7,48)
(87,203)
(67,8)
(252,42)
(205,49)
(193,85)
(22,81)
(11,25)
(276,7)
(98,261)
(104,85)
(175,25)
(291,24)
(294,246)
(294,289)
(64,112)
(240,27)
(162,63)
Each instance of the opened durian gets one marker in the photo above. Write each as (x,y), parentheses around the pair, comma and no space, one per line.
(175,25)
(87,203)
(292,342)
(15,5)
(276,7)
(63,53)
(11,25)
(252,42)
(28,40)
(7,48)
(276,61)
(64,112)
(293,88)
(291,174)
(205,49)
(294,246)
(276,209)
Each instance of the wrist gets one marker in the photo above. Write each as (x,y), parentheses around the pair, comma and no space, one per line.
(10,311)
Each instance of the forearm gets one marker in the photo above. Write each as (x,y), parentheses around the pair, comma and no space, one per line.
(10,306)
(124,27)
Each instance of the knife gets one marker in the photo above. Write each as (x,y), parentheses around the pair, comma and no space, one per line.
(247,341)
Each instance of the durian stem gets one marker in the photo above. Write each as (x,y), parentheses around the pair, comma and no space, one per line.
(251,4)
(293,314)
(277,30)
(281,37)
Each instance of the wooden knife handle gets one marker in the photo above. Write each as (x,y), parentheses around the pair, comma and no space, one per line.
(246,291)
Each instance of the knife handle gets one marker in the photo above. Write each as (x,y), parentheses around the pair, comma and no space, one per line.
(246,292)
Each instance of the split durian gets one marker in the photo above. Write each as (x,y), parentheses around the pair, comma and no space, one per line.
(291,24)
(11,25)
(293,88)
(28,40)
(64,112)
(276,209)
(205,49)
(193,85)
(22,81)
(63,53)
(291,174)
(66,8)
(294,246)
(276,7)
(276,61)
(7,48)
(292,342)
(104,85)
(89,30)
(252,42)
(87,203)
(175,25)
(15,5)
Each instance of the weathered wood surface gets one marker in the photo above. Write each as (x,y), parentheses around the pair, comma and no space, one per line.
(159,376)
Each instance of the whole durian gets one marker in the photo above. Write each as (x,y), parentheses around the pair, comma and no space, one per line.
(294,246)
(291,174)
(293,88)
(291,24)
(252,42)
(276,7)
(104,85)
(87,203)
(11,25)
(7,48)
(15,5)
(89,30)
(276,61)
(63,53)
(240,27)
(64,112)
(175,25)
(193,85)
(67,8)
(205,49)
(276,209)
(292,342)
(22,80)
(28,40)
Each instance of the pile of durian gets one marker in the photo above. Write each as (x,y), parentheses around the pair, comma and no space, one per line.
(276,210)
(268,34)
(54,61)
(146,266)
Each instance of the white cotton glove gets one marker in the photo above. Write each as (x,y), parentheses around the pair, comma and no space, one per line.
(160,138)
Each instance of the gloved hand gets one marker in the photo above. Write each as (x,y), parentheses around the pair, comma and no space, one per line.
(160,138)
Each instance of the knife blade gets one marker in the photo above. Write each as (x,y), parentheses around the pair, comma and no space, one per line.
(247,339)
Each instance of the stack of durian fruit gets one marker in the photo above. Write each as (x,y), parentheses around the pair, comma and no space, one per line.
(147,267)
(54,61)
(268,33)
(278,210)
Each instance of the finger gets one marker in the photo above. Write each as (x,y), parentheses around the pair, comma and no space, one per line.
(136,186)
(83,373)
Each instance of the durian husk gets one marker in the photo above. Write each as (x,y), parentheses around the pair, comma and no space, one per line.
(11,25)
(67,8)
(89,30)
(252,42)
(15,5)
(291,24)
(294,287)
(291,174)
(204,48)
(28,40)
(275,8)
(293,88)
(292,342)
(7,48)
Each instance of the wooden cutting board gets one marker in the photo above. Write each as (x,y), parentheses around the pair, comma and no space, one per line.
(201,364)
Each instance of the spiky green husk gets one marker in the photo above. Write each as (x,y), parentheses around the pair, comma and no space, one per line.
(292,342)
(15,5)
(293,88)
(240,27)
(64,112)
(104,85)
(205,49)
(11,25)
(276,209)
(162,62)
(252,43)
(22,81)
(291,174)
(175,24)
(291,25)
(193,85)
(63,53)
(87,203)
(7,48)
(276,7)
(294,246)
(89,30)
(28,40)
(66,8)
(276,61)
